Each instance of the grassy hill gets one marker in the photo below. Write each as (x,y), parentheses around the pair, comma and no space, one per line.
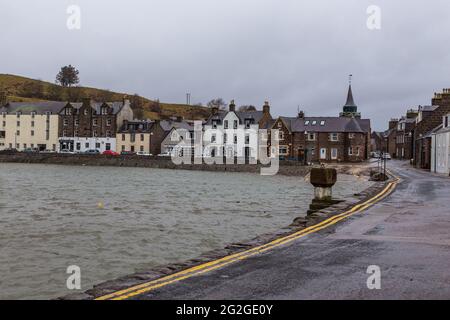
(22,89)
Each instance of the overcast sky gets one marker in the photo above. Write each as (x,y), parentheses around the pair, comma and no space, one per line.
(290,52)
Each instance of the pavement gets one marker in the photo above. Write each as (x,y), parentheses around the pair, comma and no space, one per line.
(407,235)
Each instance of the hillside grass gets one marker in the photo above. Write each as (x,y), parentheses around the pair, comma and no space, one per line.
(13,86)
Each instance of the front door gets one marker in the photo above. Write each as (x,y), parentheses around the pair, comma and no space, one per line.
(334,153)
(323,153)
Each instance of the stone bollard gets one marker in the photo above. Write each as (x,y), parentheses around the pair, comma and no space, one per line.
(323,179)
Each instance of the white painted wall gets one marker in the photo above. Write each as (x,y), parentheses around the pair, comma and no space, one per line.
(232,148)
(86,144)
(440,153)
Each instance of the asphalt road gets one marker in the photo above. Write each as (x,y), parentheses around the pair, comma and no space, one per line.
(407,235)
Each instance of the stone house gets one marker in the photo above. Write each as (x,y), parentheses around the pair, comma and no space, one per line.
(147,136)
(427,122)
(92,125)
(377,141)
(404,138)
(26,125)
(323,139)
(346,138)
(390,138)
(135,136)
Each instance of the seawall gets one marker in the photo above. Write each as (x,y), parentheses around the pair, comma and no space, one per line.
(290,168)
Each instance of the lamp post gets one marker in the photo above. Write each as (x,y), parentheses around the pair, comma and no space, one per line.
(150,146)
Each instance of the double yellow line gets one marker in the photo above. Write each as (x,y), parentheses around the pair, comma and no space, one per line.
(219,263)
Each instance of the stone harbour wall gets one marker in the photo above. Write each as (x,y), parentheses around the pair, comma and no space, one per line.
(290,168)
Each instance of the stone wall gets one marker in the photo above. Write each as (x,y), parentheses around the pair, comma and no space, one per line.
(290,168)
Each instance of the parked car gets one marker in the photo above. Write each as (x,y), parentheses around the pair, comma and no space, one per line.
(375,154)
(92,151)
(386,156)
(127,153)
(164,154)
(66,151)
(31,150)
(144,154)
(110,153)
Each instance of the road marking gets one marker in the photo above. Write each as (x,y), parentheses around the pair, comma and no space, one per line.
(219,263)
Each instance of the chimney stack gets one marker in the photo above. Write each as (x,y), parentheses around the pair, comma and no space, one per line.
(393,123)
(301,114)
(86,101)
(266,107)
(232,107)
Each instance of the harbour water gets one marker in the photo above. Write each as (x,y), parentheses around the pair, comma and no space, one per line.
(113,221)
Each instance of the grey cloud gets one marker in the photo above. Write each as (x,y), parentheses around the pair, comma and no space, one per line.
(288,51)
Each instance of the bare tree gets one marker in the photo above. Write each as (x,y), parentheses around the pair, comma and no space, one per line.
(247,108)
(218,103)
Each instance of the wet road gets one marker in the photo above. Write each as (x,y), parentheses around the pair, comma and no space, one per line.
(407,235)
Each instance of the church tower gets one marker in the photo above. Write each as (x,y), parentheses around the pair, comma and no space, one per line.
(350,109)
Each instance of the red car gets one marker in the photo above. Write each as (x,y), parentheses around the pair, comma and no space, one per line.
(110,153)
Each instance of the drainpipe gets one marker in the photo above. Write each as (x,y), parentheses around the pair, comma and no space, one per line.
(435,153)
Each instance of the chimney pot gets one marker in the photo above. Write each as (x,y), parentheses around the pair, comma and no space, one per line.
(266,107)
(232,106)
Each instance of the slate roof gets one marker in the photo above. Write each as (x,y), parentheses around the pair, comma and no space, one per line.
(167,125)
(116,106)
(430,133)
(350,101)
(327,124)
(256,115)
(53,107)
(137,126)
(428,108)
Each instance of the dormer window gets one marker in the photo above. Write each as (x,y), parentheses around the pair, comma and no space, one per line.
(68,111)
(104,110)
(225,124)
(314,122)
(306,122)
(322,123)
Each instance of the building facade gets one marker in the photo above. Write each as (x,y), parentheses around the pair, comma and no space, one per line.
(135,136)
(404,136)
(92,125)
(235,134)
(323,139)
(427,122)
(346,138)
(30,126)
(147,136)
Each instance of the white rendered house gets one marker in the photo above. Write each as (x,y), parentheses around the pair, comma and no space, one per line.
(440,148)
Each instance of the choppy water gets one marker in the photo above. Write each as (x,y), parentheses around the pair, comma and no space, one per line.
(115,221)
